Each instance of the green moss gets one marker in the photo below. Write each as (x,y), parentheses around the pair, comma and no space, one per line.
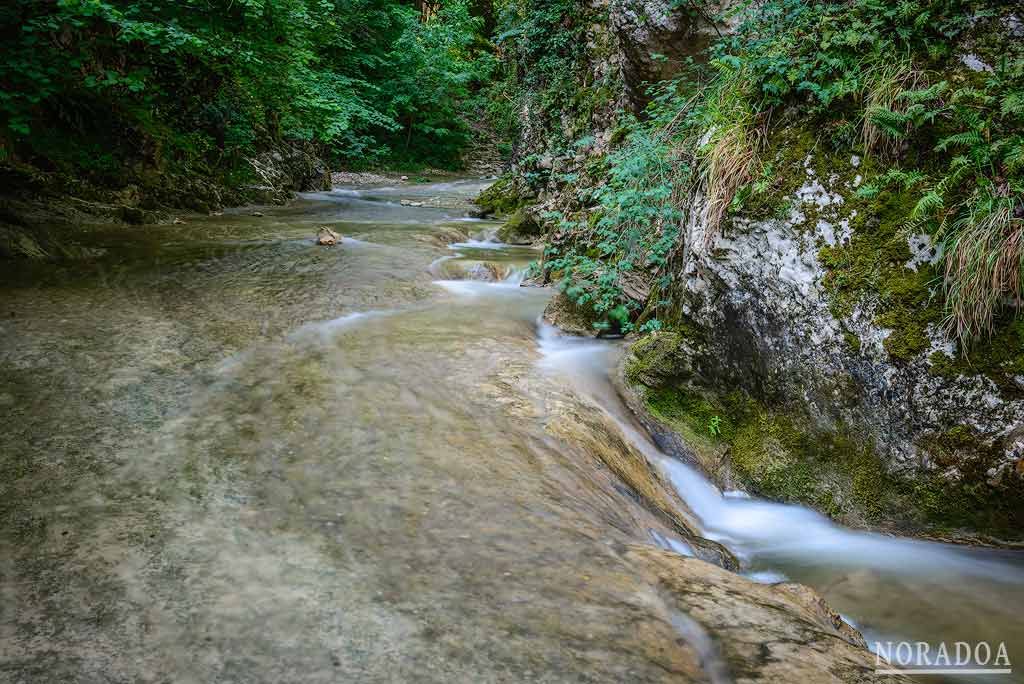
(657,359)
(942,364)
(1000,358)
(852,341)
(701,414)
(586,102)
(762,454)
(871,268)
(520,228)
(780,454)
(906,341)
(782,173)
(501,197)
(778,457)
(619,134)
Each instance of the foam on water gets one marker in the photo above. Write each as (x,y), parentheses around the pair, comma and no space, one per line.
(479,244)
(478,288)
(324,330)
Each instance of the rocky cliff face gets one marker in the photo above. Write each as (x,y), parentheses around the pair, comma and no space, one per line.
(809,329)
(834,397)
(653,38)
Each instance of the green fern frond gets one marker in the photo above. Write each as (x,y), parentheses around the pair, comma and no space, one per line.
(965,139)
(1014,155)
(928,205)
(1013,104)
(892,123)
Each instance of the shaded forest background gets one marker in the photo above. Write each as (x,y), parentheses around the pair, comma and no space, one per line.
(113,91)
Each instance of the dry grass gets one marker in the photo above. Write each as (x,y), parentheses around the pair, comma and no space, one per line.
(730,152)
(729,163)
(887,83)
(984,268)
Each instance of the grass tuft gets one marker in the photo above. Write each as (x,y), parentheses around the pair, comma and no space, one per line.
(984,267)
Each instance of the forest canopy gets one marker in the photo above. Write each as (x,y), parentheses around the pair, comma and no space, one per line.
(91,86)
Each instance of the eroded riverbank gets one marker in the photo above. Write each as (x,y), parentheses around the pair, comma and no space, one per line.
(235,456)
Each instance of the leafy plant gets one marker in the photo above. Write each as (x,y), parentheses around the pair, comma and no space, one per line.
(715,426)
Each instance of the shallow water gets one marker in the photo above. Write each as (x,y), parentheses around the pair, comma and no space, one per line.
(232,455)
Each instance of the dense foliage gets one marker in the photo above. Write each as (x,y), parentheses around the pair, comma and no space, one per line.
(887,79)
(93,85)
(932,89)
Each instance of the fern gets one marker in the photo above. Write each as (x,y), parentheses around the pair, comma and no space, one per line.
(1013,105)
(894,124)
(965,139)
(930,203)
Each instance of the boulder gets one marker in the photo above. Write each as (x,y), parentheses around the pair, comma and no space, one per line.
(327,237)
(568,317)
(522,228)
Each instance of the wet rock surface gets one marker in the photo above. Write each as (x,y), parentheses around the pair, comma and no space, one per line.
(562,313)
(325,237)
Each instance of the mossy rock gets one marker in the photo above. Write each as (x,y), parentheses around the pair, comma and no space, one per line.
(657,359)
(522,228)
(1000,358)
(570,317)
(783,456)
(501,197)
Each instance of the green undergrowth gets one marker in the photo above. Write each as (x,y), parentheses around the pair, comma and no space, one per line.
(614,253)
(940,145)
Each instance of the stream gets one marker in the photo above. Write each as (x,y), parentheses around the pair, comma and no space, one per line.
(232,455)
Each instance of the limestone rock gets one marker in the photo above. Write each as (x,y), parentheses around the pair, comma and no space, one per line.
(655,36)
(813,602)
(327,237)
(562,313)
(756,632)
(522,228)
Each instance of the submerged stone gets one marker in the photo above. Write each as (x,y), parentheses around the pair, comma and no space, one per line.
(327,237)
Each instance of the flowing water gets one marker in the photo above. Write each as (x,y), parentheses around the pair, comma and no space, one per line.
(231,455)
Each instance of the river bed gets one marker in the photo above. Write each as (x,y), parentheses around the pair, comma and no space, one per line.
(232,455)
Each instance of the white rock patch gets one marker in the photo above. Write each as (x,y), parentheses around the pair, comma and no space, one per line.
(922,251)
(974,63)
(815,192)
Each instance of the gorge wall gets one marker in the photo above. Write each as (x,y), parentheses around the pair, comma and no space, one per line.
(795,314)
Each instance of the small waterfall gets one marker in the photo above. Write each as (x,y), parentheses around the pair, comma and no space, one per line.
(515,275)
